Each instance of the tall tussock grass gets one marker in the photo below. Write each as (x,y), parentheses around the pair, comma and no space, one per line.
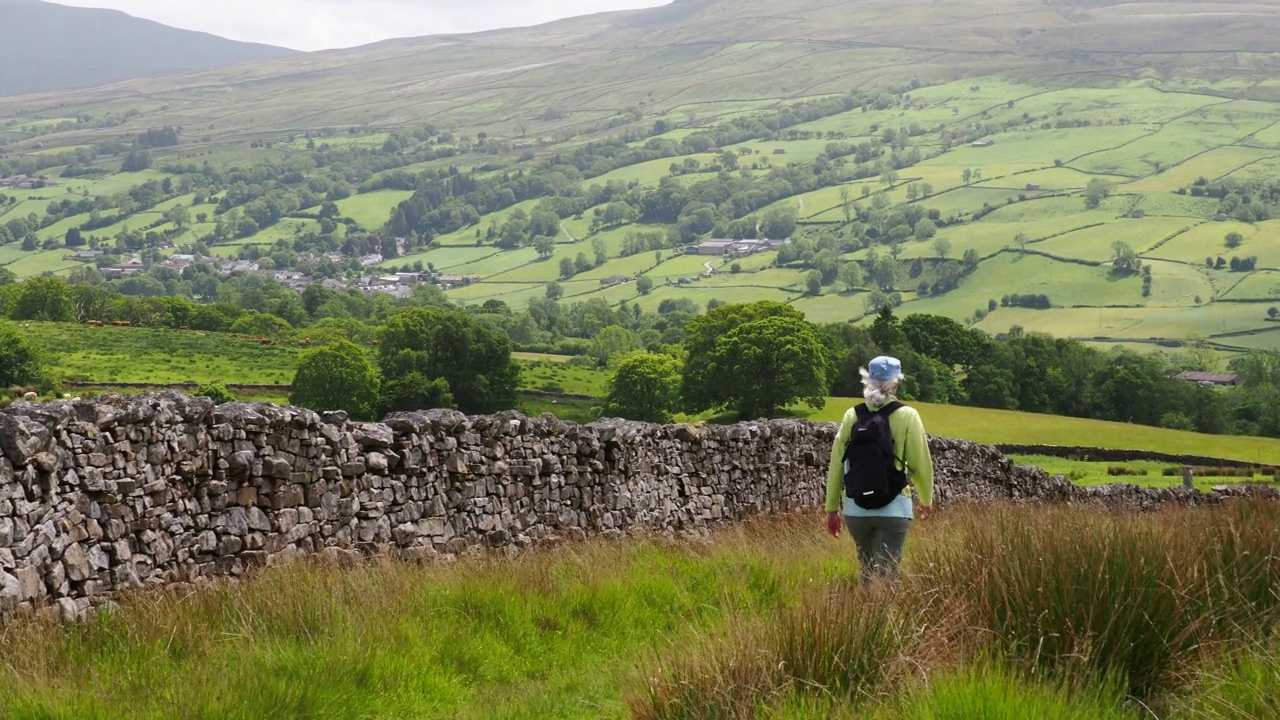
(1058,612)
(1076,592)
(836,642)
(1072,605)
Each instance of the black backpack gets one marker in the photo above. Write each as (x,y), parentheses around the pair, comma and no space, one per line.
(872,478)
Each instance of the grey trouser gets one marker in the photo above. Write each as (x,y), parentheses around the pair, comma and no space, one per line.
(880,542)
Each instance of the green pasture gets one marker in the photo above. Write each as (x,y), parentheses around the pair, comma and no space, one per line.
(1051,180)
(1195,209)
(1265,169)
(1134,323)
(1208,239)
(540,357)
(1095,244)
(38,262)
(1087,473)
(481,291)
(702,294)
(143,355)
(964,201)
(1065,283)
(1018,428)
(372,210)
(122,182)
(451,258)
(1212,165)
(559,377)
(991,234)
(651,171)
(1263,285)
(1177,285)
(832,306)
(1174,143)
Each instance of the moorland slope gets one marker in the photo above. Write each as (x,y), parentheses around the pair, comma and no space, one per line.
(45,47)
(695,53)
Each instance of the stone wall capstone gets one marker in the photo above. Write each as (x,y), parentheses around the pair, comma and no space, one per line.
(121,492)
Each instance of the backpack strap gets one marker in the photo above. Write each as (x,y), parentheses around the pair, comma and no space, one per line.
(889,409)
(886,411)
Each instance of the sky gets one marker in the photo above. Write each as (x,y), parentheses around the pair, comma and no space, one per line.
(323,24)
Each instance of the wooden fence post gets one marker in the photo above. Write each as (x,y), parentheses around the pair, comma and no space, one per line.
(1186,477)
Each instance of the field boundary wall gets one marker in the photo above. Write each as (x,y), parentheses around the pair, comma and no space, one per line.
(120,492)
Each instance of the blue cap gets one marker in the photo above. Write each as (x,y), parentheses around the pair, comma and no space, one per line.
(884,369)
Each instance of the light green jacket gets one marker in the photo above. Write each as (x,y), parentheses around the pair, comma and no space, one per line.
(909,443)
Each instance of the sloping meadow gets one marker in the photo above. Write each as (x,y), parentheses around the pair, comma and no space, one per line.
(1002,612)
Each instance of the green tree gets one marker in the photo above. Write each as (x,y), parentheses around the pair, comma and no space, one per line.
(813,282)
(1234,240)
(942,247)
(22,363)
(262,325)
(555,290)
(990,387)
(645,387)
(1095,192)
(612,341)
(644,284)
(925,230)
(471,355)
(336,377)
(788,363)
(566,268)
(412,392)
(600,251)
(850,276)
(136,161)
(778,223)
(776,361)
(45,299)
(545,245)
(1124,261)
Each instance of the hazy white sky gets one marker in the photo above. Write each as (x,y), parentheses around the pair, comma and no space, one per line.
(320,24)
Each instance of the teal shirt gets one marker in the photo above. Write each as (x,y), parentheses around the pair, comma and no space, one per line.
(910,447)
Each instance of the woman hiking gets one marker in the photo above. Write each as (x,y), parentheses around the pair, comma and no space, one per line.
(875,469)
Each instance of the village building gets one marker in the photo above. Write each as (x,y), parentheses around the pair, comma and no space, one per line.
(722,246)
(984,142)
(1208,379)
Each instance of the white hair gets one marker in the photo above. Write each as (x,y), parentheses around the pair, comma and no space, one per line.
(878,392)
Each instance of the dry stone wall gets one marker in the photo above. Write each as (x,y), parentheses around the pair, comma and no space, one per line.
(132,491)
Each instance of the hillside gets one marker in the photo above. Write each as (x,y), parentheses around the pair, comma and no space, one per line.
(704,55)
(1068,94)
(46,47)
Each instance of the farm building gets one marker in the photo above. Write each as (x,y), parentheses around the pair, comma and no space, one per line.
(1221,217)
(615,280)
(733,247)
(1033,186)
(779,151)
(1138,214)
(984,142)
(1208,378)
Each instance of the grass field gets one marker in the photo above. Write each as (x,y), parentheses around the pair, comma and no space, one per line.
(761,620)
(138,355)
(1148,140)
(1088,473)
(1015,428)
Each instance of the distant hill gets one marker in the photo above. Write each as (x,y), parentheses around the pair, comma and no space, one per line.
(699,55)
(46,47)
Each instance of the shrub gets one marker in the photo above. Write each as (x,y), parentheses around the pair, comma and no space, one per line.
(215,392)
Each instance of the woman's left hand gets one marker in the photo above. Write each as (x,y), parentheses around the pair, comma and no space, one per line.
(833,524)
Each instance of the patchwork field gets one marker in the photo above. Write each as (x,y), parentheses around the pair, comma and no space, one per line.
(1018,204)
